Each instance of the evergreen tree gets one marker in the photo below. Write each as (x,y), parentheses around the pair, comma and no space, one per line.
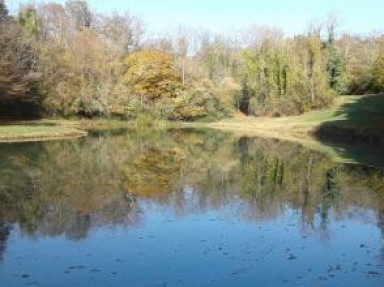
(28,19)
(336,68)
(378,70)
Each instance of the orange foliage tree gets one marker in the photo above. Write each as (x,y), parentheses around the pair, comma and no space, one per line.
(152,75)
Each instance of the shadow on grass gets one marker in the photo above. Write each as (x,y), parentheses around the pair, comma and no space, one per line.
(359,134)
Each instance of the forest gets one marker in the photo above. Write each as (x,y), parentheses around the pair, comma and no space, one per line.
(66,61)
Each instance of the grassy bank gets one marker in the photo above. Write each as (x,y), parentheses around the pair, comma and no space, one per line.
(350,119)
(12,133)
(352,130)
(50,129)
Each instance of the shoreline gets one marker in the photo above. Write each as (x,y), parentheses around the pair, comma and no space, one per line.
(33,133)
(303,134)
(352,120)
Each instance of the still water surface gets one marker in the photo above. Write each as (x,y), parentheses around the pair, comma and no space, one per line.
(186,208)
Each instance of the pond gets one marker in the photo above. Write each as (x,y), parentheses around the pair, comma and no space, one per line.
(186,208)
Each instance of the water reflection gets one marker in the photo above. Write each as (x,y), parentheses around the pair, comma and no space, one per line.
(68,188)
(64,187)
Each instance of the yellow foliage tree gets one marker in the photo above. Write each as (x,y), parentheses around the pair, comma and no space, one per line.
(151,75)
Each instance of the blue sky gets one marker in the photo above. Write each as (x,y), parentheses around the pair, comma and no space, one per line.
(359,16)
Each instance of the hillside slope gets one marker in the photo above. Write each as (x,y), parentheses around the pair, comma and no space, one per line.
(352,130)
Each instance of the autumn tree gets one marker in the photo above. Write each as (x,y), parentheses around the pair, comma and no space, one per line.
(264,73)
(152,76)
(97,65)
(17,76)
(284,76)
(80,59)
(361,55)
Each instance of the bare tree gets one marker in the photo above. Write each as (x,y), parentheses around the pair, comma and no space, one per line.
(79,10)
(332,23)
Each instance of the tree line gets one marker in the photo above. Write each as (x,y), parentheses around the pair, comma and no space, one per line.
(68,61)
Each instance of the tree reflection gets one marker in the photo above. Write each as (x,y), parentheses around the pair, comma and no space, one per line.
(69,187)
(5,230)
(329,196)
(154,173)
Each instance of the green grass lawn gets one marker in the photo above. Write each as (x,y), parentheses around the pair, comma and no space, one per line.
(37,132)
(359,113)
(356,110)
(352,130)
(354,119)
